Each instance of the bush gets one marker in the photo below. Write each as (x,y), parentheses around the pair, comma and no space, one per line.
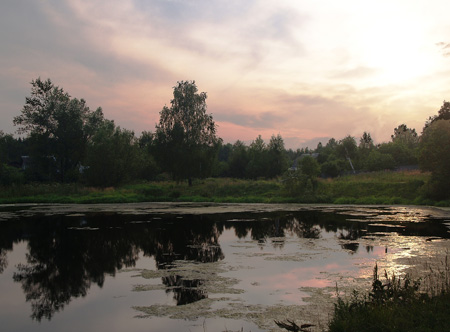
(377,161)
(10,175)
(395,306)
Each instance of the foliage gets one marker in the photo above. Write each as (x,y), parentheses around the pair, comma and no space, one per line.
(238,160)
(258,161)
(405,136)
(366,141)
(435,157)
(186,135)
(347,147)
(302,181)
(369,188)
(61,123)
(401,153)
(395,306)
(377,161)
(277,159)
(112,156)
(10,175)
(332,168)
(443,114)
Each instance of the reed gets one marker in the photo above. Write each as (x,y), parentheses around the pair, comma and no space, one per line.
(397,304)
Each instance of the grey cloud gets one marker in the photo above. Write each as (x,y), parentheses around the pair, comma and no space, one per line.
(28,32)
(182,12)
(262,120)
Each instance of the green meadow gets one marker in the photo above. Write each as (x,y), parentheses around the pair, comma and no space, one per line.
(387,187)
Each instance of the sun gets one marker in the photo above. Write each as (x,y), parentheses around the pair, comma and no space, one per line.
(398,51)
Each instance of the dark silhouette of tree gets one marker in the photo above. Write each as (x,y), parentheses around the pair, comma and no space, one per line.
(443,114)
(434,156)
(60,125)
(238,160)
(186,137)
(112,156)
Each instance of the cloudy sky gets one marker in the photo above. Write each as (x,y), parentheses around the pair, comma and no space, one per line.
(306,69)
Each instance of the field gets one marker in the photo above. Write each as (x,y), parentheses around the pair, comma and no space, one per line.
(368,188)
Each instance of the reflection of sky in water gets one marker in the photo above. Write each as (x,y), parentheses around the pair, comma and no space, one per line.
(271,275)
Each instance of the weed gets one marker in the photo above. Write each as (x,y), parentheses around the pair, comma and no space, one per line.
(396,305)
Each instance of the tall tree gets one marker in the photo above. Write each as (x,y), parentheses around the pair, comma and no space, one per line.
(366,141)
(278,161)
(434,156)
(443,114)
(63,124)
(186,135)
(347,149)
(112,156)
(406,136)
(258,161)
(238,160)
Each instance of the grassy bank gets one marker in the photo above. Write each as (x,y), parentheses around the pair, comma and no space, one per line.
(396,305)
(370,188)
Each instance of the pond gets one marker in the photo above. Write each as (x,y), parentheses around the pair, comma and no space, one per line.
(201,267)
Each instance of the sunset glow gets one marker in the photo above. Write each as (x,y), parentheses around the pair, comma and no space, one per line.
(305,70)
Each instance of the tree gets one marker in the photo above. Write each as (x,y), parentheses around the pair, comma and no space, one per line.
(443,114)
(302,181)
(366,141)
(377,161)
(277,158)
(148,169)
(434,156)
(310,167)
(186,134)
(238,160)
(400,152)
(347,149)
(406,136)
(63,124)
(112,156)
(258,162)
(365,147)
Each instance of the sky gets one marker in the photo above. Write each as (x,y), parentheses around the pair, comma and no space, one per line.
(308,70)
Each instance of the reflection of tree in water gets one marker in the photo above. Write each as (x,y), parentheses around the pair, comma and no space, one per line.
(63,264)
(191,240)
(65,258)
(184,290)
(351,234)
(3,260)
(273,228)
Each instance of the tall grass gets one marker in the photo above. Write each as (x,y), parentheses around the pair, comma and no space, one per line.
(397,305)
(369,188)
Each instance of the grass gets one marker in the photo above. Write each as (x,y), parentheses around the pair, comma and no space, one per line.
(369,188)
(397,305)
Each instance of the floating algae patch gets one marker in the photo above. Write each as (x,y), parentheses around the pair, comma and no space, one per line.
(223,300)
(208,273)
(317,313)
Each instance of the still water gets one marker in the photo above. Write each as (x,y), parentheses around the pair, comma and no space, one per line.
(190,267)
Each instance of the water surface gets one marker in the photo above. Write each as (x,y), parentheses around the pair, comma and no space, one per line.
(195,267)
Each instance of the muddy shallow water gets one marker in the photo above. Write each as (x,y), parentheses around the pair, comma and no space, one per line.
(201,267)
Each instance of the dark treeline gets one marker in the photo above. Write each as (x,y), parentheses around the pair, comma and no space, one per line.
(65,141)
